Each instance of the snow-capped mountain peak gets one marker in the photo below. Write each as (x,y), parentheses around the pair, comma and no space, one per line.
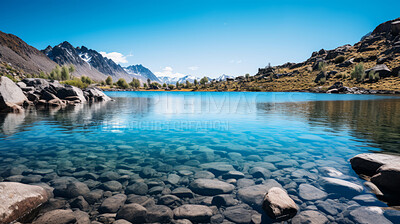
(223,77)
(180,79)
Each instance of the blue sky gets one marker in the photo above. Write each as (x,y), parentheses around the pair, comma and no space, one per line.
(196,37)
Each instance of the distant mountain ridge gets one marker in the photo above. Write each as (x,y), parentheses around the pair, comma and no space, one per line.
(190,78)
(140,70)
(22,56)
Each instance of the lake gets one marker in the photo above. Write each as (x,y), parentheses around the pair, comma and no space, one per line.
(166,140)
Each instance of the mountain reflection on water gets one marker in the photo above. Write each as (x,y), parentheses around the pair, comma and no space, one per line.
(372,120)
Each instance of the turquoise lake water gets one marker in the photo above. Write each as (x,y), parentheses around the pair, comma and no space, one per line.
(301,132)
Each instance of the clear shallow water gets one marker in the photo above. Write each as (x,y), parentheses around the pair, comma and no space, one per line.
(175,131)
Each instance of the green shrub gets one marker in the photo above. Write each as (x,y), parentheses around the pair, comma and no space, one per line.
(109,81)
(87,80)
(75,82)
(358,73)
(322,66)
(373,76)
(154,85)
(11,77)
(43,75)
(339,59)
(71,69)
(164,85)
(65,73)
(135,83)
(170,86)
(122,83)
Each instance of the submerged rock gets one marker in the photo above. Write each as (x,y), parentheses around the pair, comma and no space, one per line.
(139,188)
(58,216)
(134,213)
(310,216)
(341,187)
(309,192)
(224,200)
(369,215)
(211,187)
(194,213)
(238,214)
(19,199)
(112,204)
(278,205)
(159,214)
(253,195)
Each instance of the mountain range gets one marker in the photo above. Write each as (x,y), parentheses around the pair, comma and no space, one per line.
(190,78)
(24,59)
(142,71)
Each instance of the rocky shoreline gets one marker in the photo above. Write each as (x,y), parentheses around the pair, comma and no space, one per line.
(43,93)
(338,87)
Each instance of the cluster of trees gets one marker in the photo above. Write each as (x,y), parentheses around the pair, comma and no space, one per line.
(82,82)
(135,84)
(121,83)
(58,73)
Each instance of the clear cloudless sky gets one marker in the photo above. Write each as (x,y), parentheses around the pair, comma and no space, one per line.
(197,37)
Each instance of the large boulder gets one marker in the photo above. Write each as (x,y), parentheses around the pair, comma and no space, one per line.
(10,94)
(278,205)
(388,178)
(38,84)
(384,170)
(70,91)
(380,69)
(211,187)
(17,200)
(368,163)
(194,213)
(96,94)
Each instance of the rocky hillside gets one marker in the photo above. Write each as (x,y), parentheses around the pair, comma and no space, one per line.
(376,56)
(142,71)
(19,57)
